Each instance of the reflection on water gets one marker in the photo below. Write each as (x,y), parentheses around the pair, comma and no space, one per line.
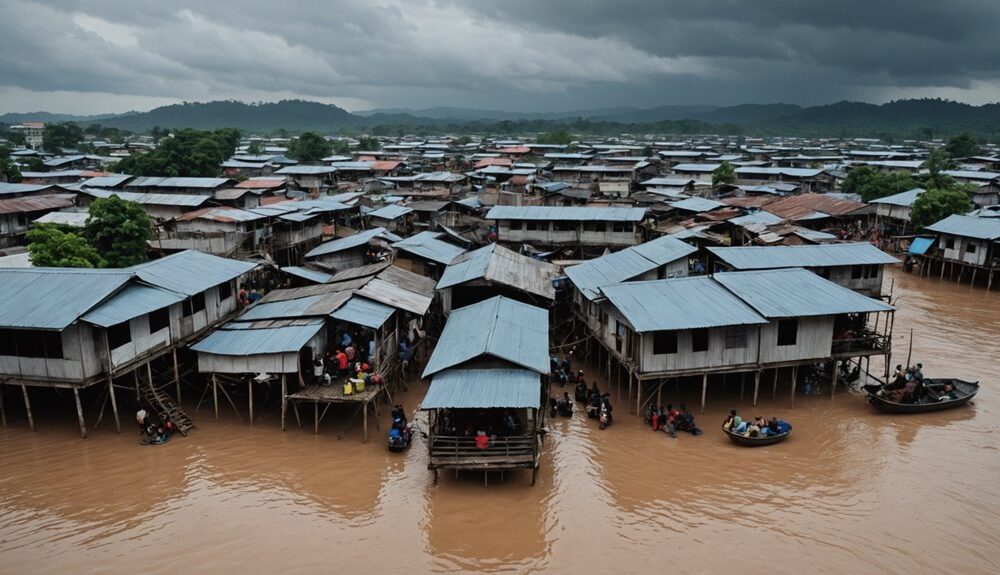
(853,490)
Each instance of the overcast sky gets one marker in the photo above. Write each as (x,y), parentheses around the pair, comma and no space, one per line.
(521,55)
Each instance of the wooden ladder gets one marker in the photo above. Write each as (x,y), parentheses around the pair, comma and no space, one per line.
(163,403)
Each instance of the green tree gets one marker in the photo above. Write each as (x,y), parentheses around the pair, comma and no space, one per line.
(50,245)
(937,204)
(962,146)
(724,174)
(857,178)
(463,141)
(57,137)
(341,148)
(255,149)
(560,136)
(937,162)
(9,172)
(369,143)
(35,164)
(871,184)
(187,153)
(309,147)
(118,230)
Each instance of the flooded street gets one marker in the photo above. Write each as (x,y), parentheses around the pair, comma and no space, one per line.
(852,491)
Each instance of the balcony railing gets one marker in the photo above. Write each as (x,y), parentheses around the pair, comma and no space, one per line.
(459,450)
(860,341)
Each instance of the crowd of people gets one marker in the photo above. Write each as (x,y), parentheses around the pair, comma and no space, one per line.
(351,360)
(486,426)
(909,386)
(154,429)
(670,420)
(756,427)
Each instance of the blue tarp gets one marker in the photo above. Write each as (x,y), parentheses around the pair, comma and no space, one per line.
(919,246)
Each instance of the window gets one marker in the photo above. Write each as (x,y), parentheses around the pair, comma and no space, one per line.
(619,335)
(31,343)
(119,335)
(699,340)
(516,226)
(159,319)
(600,226)
(788,331)
(664,342)
(531,226)
(857,272)
(588,226)
(970,248)
(949,244)
(736,337)
(565,226)
(618,227)
(194,305)
(225,291)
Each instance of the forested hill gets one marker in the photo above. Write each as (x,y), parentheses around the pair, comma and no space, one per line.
(925,118)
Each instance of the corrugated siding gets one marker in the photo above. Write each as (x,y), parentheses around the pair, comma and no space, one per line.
(308,274)
(363,311)
(426,245)
(484,389)
(341,244)
(796,293)
(501,327)
(771,257)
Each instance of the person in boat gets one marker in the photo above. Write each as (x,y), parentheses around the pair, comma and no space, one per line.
(772,426)
(727,424)
(918,372)
(753,430)
(566,405)
(898,381)
(399,413)
(947,393)
(760,424)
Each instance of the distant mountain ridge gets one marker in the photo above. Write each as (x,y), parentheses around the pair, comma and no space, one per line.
(923,117)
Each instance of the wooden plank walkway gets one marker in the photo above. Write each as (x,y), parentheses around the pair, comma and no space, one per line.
(331,394)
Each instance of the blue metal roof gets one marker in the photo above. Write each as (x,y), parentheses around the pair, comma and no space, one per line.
(499,327)
(308,274)
(773,257)
(919,246)
(53,298)
(289,308)
(391,212)
(682,303)
(363,311)
(190,272)
(467,267)
(133,301)
(558,213)
(796,293)
(346,243)
(697,205)
(178,182)
(426,245)
(626,264)
(7,188)
(759,217)
(968,227)
(187,200)
(904,199)
(484,389)
(500,265)
(243,339)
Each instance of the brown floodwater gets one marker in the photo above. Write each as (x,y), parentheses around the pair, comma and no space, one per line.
(852,491)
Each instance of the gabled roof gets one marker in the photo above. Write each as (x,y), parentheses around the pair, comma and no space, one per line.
(190,272)
(811,256)
(556,213)
(796,292)
(238,338)
(428,246)
(905,199)
(484,389)
(133,301)
(390,212)
(968,227)
(54,298)
(500,265)
(498,327)
(626,264)
(676,304)
(346,243)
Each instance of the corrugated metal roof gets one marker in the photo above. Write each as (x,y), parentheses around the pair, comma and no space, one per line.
(796,293)
(759,217)
(397,296)
(53,298)
(390,212)
(7,188)
(107,181)
(243,339)
(805,206)
(557,213)
(498,264)
(306,171)
(920,246)
(363,311)
(905,199)
(484,389)
(34,204)
(696,205)
(133,301)
(626,264)
(426,245)
(499,327)
(190,272)
(309,306)
(308,274)
(72,219)
(682,303)
(346,243)
(171,182)
(968,227)
(772,257)
(153,199)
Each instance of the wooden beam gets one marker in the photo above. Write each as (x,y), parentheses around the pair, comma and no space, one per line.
(833,379)
(774,389)
(316,418)
(638,393)
(3,414)
(27,407)
(364,419)
(795,373)
(704,391)
(177,377)
(284,401)
(250,401)
(215,395)
(79,412)
(756,386)
(114,404)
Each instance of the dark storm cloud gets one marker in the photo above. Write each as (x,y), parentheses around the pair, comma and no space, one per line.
(515,54)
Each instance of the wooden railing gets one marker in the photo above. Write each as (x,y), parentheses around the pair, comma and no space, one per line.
(866,340)
(512,448)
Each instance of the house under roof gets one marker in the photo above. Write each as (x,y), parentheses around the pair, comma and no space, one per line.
(806,256)
(497,264)
(632,262)
(427,245)
(968,227)
(796,292)
(573,213)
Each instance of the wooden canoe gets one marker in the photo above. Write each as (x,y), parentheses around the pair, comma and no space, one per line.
(964,391)
(758,441)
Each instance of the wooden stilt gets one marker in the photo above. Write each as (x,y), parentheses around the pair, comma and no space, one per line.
(942,269)
(704,391)
(833,379)
(756,386)
(659,393)
(149,374)
(364,423)
(215,395)
(79,412)
(974,270)
(774,389)
(989,281)
(3,414)
(27,407)
(743,380)
(250,387)
(284,401)
(316,417)
(135,375)
(638,393)
(177,378)
(795,373)
(114,404)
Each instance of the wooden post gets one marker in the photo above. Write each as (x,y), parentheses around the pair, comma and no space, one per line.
(79,411)
(774,389)
(743,380)
(149,373)
(177,378)
(215,395)
(638,393)
(833,379)
(974,270)
(704,390)
(989,281)
(284,401)
(795,373)
(250,386)
(942,269)
(756,386)
(364,419)
(3,414)
(659,393)
(316,417)
(27,407)
(135,374)
(114,404)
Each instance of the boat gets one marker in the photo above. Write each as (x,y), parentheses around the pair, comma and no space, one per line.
(400,437)
(758,441)
(963,392)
